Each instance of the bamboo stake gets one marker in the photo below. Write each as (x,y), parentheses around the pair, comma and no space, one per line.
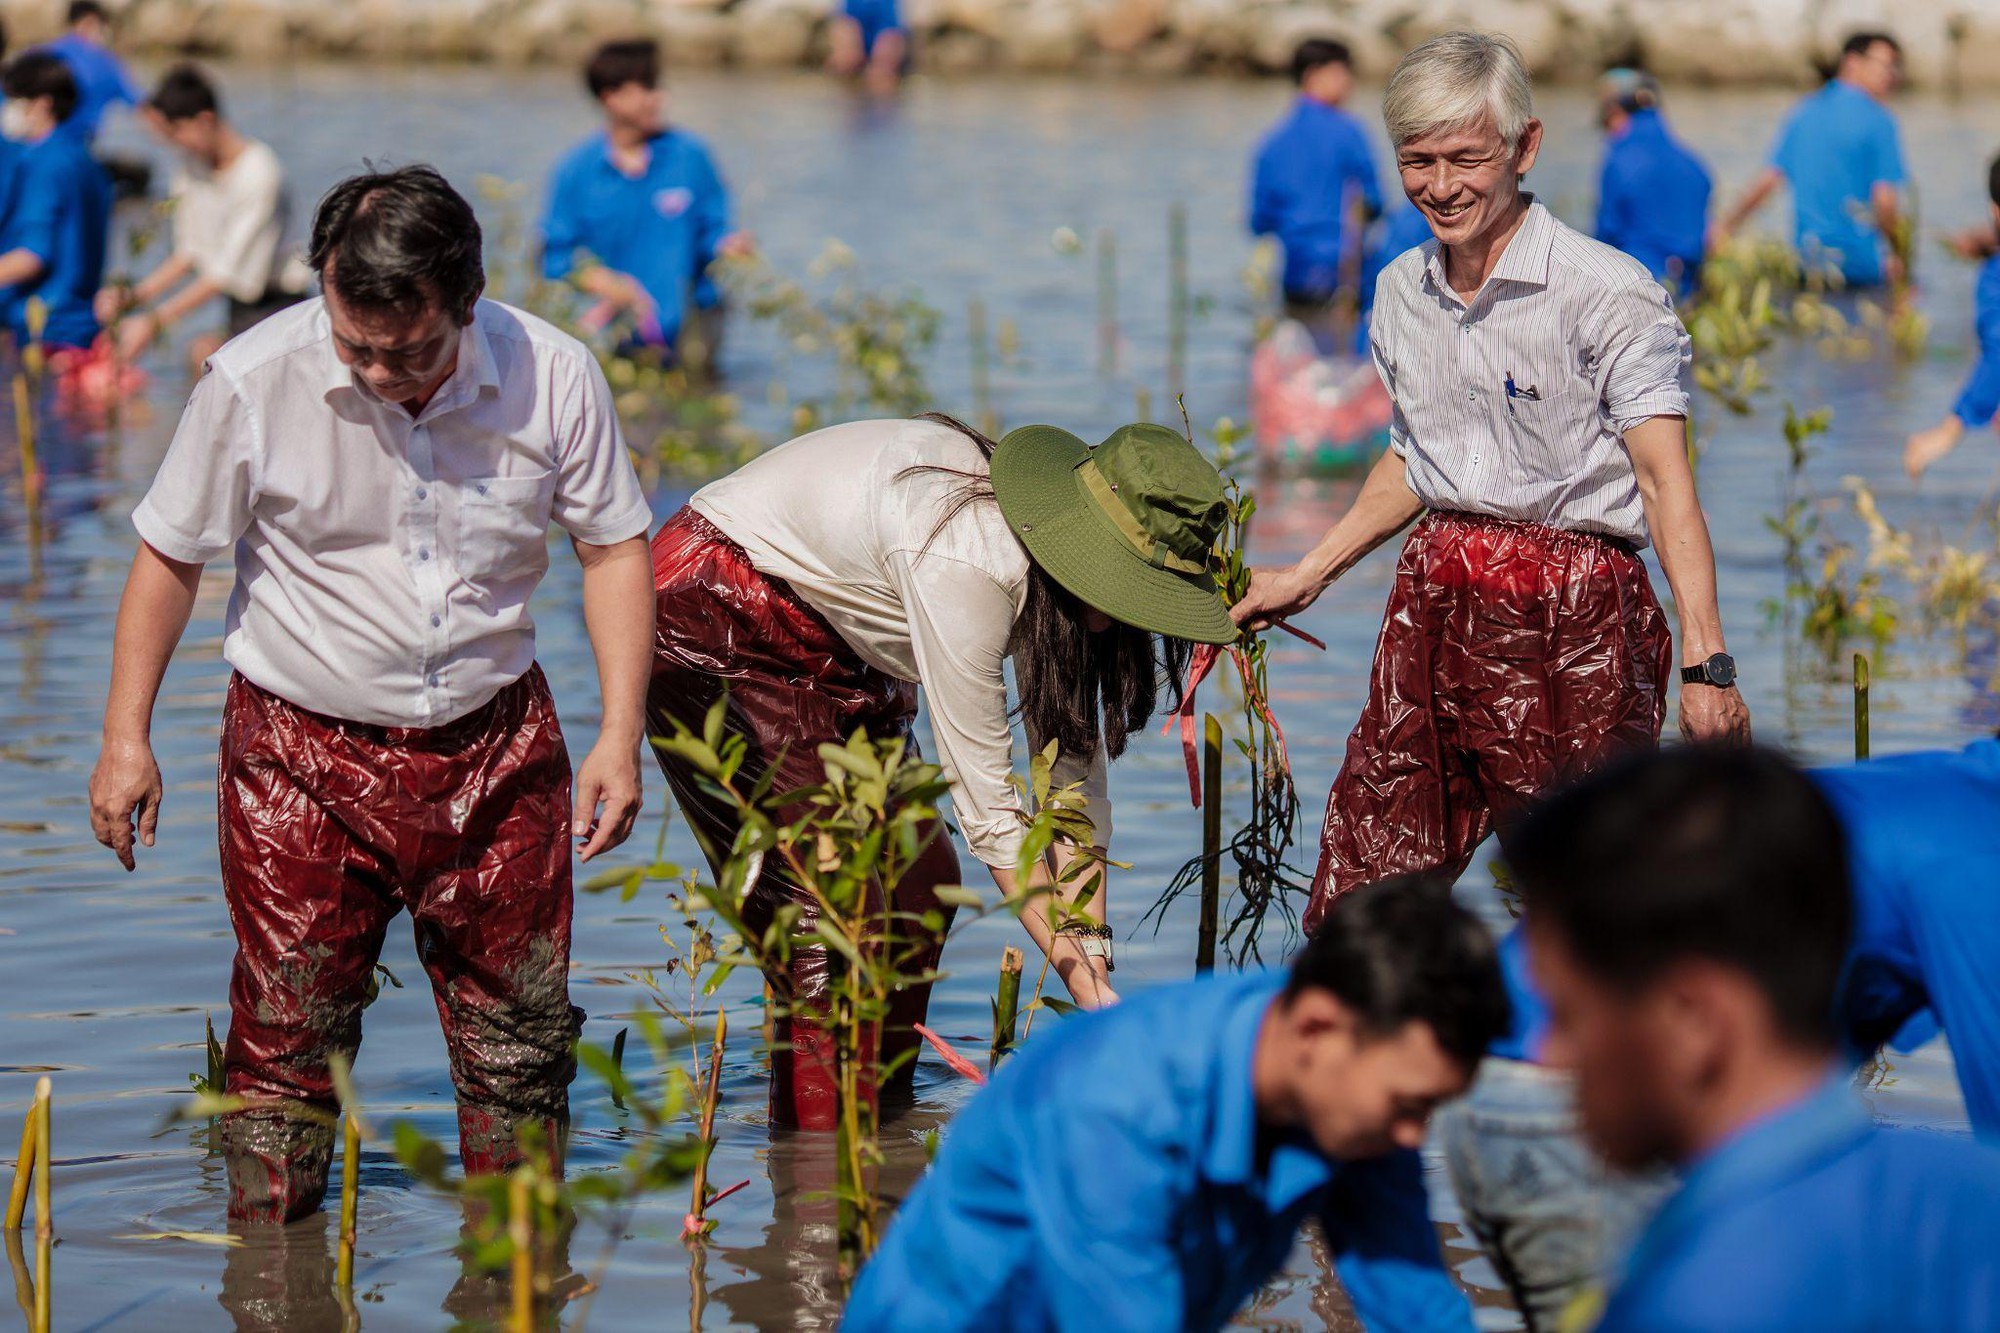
(24,428)
(45,1222)
(1211,842)
(1861,705)
(1006,1006)
(1177,297)
(24,1172)
(24,1281)
(711,1094)
(350,1198)
(521,1233)
(1107,304)
(982,368)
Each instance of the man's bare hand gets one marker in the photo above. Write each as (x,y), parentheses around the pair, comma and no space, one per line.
(607,797)
(1710,714)
(1274,594)
(125,785)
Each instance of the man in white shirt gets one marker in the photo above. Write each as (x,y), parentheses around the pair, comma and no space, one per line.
(385,463)
(1540,387)
(229,218)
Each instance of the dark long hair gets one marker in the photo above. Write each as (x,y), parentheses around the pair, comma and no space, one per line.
(1077,687)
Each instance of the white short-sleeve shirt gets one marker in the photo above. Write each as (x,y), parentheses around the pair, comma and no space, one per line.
(231,224)
(383,562)
(847,517)
(1590,345)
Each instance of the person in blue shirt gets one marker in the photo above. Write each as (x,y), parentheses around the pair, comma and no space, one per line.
(1843,158)
(1652,194)
(1315,187)
(102,81)
(57,221)
(1980,398)
(637,213)
(1148,1166)
(867,37)
(1689,918)
(1924,865)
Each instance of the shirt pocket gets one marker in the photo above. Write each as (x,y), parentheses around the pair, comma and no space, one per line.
(1548,439)
(503,527)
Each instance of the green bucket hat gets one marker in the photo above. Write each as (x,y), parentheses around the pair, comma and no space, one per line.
(1129,527)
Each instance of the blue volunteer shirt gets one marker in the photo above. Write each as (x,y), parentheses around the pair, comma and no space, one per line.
(1980,398)
(1838,144)
(101,80)
(59,209)
(1900,1235)
(1652,200)
(1310,170)
(1113,1177)
(875,18)
(1923,835)
(660,227)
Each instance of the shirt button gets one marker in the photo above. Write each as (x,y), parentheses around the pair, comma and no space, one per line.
(436,621)
(423,553)
(423,494)
(1471,394)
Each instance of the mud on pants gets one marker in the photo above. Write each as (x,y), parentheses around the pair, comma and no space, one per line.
(793,684)
(1513,656)
(329,828)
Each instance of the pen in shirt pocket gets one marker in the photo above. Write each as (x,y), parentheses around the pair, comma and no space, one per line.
(1531,393)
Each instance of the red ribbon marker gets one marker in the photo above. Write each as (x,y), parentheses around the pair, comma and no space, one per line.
(959,1064)
(1203,662)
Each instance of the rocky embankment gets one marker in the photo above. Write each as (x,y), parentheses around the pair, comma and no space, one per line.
(1950,43)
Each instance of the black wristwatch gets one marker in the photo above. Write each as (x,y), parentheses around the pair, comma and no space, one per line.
(1719,671)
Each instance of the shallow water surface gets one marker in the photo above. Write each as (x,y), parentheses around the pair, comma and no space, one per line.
(956,191)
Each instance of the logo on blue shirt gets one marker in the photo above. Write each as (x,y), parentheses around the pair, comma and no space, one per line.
(673,201)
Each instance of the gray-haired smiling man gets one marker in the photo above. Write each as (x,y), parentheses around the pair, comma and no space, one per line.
(1540,388)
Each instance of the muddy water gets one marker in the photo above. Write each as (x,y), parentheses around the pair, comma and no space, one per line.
(105,977)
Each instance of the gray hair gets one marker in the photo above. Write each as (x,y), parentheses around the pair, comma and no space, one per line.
(1456,80)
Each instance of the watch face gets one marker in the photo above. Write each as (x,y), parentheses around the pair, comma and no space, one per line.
(1721,670)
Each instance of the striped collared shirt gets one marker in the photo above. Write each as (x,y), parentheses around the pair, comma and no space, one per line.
(1514,405)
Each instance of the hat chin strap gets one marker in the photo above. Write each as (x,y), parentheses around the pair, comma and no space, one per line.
(1105,496)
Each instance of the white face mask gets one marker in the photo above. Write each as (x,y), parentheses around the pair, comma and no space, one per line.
(16,121)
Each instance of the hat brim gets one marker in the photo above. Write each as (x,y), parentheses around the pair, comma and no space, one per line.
(1050,513)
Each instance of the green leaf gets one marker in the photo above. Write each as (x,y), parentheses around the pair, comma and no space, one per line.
(421,1155)
(957,895)
(1061,1008)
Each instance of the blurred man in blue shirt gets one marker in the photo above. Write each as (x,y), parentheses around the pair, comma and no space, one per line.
(1148,1166)
(1688,922)
(867,37)
(102,81)
(1980,398)
(1315,188)
(1652,196)
(637,213)
(1925,867)
(58,213)
(1841,153)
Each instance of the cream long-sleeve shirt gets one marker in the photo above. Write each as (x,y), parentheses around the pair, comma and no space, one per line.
(838,516)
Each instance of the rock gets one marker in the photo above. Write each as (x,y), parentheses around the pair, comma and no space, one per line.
(1122,26)
(779,33)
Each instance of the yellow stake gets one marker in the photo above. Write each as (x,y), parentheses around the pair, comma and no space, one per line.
(521,1231)
(24,427)
(24,1171)
(350,1198)
(45,1221)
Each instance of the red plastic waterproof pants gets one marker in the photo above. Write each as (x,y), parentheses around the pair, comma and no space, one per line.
(1512,656)
(329,828)
(793,685)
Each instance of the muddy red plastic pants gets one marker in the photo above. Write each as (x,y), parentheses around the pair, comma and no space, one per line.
(793,684)
(328,829)
(1512,656)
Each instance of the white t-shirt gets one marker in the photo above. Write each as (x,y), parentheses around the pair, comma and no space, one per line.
(834,516)
(231,223)
(384,562)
